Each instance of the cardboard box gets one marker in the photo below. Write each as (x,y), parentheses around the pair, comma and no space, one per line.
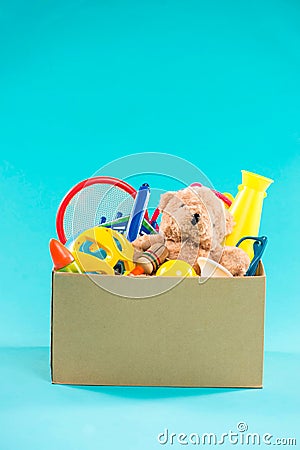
(208,335)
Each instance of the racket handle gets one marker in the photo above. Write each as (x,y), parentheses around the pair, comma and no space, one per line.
(138,212)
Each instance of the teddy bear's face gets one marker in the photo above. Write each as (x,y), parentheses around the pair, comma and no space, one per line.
(182,222)
(193,218)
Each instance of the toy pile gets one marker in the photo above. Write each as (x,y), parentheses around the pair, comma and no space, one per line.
(104,227)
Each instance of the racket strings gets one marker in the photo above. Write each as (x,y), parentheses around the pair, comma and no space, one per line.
(94,204)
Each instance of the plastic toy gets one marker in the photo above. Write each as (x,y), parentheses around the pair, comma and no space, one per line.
(176,268)
(110,247)
(138,212)
(121,224)
(210,268)
(93,259)
(247,208)
(63,259)
(138,270)
(259,246)
(229,197)
(92,264)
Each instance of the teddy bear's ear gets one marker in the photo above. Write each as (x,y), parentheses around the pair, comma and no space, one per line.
(165,199)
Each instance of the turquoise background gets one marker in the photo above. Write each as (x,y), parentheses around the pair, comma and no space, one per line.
(85,82)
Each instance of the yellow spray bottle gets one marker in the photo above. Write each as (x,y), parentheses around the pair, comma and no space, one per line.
(247,208)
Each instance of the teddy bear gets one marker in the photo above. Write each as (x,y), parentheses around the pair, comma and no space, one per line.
(194,223)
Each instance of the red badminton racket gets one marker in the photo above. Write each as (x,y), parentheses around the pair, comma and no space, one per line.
(92,202)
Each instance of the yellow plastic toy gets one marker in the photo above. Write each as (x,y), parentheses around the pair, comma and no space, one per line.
(176,268)
(91,263)
(111,245)
(247,208)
